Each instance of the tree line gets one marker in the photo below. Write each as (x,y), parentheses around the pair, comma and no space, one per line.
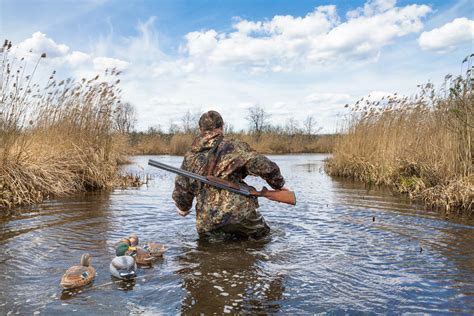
(257,117)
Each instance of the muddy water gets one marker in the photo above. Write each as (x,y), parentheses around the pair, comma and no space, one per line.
(343,248)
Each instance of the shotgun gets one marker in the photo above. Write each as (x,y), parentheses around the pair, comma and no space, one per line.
(282,196)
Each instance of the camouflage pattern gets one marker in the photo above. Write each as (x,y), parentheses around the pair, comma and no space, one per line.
(233,160)
(210,120)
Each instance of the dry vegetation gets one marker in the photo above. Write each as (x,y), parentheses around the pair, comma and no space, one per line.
(421,146)
(267,143)
(262,136)
(57,137)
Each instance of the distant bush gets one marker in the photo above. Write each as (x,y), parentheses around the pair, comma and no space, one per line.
(144,143)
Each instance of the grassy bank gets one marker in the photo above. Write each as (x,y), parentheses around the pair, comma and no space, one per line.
(421,146)
(268,143)
(56,137)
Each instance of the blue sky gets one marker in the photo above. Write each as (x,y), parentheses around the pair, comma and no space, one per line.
(294,58)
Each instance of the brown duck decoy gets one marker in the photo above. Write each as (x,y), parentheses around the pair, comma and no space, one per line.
(155,250)
(77,276)
(142,257)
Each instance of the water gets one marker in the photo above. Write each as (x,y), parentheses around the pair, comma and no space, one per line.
(342,249)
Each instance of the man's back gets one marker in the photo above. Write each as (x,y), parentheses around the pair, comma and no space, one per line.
(213,154)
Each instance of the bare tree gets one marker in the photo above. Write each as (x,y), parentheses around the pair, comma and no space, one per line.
(311,126)
(228,128)
(125,118)
(291,126)
(173,128)
(257,118)
(190,122)
(154,130)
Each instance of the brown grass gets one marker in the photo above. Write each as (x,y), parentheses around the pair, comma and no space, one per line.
(421,146)
(268,143)
(58,138)
(272,143)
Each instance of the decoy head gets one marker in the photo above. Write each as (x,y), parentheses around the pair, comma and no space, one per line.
(121,249)
(86,260)
(124,241)
(133,239)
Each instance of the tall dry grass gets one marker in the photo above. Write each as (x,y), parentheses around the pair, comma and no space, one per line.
(421,146)
(268,143)
(56,137)
(274,143)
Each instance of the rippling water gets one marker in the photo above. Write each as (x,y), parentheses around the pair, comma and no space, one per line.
(343,248)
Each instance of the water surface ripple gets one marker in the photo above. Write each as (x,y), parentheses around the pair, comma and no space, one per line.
(342,249)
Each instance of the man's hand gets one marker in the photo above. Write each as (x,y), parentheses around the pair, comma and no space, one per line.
(182,213)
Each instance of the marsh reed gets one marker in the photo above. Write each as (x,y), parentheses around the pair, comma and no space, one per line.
(56,137)
(421,146)
(144,143)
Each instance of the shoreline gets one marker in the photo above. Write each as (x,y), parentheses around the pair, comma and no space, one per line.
(433,199)
(269,154)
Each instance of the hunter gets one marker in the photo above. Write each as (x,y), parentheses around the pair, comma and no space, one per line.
(220,211)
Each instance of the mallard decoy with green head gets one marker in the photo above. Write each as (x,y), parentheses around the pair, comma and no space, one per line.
(77,276)
(142,257)
(123,266)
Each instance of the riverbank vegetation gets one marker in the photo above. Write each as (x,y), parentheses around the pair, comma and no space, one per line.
(157,143)
(56,137)
(421,146)
(267,138)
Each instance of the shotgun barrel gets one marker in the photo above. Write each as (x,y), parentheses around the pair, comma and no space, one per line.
(282,196)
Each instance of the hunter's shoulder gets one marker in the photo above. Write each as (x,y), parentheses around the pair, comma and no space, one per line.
(236,144)
(190,159)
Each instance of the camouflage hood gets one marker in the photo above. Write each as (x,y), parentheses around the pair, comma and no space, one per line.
(207,140)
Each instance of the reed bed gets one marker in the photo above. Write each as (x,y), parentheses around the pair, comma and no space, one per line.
(268,143)
(421,146)
(56,137)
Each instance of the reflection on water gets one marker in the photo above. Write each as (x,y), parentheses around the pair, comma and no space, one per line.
(343,248)
(228,275)
(309,166)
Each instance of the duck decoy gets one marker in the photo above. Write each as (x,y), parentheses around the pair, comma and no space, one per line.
(123,266)
(155,250)
(77,276)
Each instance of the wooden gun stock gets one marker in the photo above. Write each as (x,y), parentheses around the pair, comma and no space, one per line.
(282,196)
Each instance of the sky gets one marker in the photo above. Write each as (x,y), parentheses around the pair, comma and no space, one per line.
(293,58)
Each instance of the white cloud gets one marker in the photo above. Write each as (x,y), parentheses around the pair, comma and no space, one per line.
(175,67)
(103,63)
(76,59)
(319,37)
(449,36)
(38,44)
(371,8)
(58,55)
(200,43)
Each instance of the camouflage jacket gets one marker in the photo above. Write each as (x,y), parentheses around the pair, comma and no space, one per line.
(212,154)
